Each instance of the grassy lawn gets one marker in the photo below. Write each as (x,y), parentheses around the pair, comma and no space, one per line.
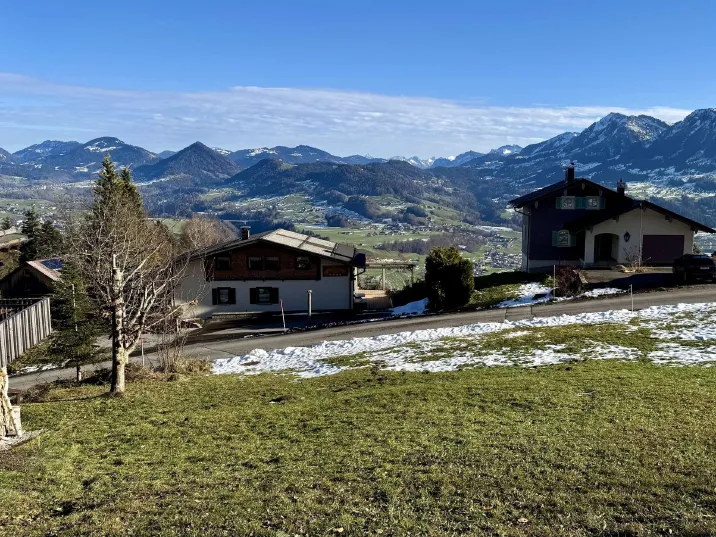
(590,448)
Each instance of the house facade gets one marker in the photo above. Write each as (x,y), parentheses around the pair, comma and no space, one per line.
(581,223)
(261,273)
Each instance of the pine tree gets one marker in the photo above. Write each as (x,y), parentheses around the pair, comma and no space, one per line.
(31,228)
(49,241)
(6,223)
(75,321)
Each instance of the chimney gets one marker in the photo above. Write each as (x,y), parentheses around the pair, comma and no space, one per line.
(621,187)
(245,233)
(569,173)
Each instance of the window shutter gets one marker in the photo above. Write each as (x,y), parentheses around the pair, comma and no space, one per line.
(559,202)
(214,297)
(555,238)
(573,239)
(602,202)
(232,295)
(274,295)
(580,203)
(254,295)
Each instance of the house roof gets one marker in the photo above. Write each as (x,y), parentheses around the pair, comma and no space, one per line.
(596,217)
(288,239)
(52,268)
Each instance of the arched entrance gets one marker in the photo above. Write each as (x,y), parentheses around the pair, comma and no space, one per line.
(606,248)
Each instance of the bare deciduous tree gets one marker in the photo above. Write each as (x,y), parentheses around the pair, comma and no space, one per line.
(202,232)
(129,263)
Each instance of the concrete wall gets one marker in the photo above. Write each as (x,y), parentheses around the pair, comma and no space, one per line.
(329,293)
(637,223)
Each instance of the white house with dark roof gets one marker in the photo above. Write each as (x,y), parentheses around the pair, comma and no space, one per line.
(260,273)
(582,223)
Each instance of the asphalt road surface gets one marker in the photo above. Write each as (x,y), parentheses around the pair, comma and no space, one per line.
(239,346)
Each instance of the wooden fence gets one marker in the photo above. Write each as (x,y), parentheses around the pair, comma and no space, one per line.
(23,324)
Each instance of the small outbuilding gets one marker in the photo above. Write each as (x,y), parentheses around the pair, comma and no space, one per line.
(32,279)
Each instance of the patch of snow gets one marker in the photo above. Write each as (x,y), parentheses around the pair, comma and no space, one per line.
(528,293)
(411,308)
(392,351)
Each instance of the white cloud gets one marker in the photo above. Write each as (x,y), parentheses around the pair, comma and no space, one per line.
(342,122)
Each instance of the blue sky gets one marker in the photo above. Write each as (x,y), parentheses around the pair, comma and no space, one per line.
(384,78)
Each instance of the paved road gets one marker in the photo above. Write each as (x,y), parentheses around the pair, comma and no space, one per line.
(212,350)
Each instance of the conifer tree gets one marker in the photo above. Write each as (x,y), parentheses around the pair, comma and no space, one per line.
(30,227)
(6,223)
(75,321)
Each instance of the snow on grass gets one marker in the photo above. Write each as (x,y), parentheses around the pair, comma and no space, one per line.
(528,293)
(411,308)
(680,334)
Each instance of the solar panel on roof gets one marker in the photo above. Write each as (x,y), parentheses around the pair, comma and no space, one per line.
(53,264)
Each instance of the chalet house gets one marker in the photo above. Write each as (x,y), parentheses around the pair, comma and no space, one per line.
(32,279)
(259,273)
(579,222)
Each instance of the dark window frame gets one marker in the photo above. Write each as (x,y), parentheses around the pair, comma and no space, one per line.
(255,296)
(298,263)
(224,260)
(255,258)
(216,296)
(275,260)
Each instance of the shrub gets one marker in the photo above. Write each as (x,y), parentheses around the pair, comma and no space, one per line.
(409,293)
(568,282)
(449,279)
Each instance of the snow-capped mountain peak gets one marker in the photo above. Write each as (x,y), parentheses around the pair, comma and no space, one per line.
(506,150)
(221,151)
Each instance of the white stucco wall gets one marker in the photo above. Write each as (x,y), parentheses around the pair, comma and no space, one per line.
(329,293)
(637,223)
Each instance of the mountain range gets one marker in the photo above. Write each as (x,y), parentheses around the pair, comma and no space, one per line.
(654,156)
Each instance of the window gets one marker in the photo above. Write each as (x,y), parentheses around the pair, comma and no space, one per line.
(272,263)
(303,262)
(223,296)
(574,202)
(256,263)
(222,262)
(566,202)
(595,202)
(563,239)
(263,295)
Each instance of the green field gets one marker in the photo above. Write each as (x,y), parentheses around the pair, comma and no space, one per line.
(589,448)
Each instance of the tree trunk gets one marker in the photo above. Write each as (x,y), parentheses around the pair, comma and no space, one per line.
(120,356)
(7,421)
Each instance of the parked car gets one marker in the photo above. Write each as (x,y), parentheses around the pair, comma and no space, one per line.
(695,267)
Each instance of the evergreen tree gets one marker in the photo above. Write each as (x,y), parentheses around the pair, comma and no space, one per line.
(6,223)
(75,321)
(449,278)
(49,241)
(31,228)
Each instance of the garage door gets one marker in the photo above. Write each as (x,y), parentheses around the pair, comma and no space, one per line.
(662,249)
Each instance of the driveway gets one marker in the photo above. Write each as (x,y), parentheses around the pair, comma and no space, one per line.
(239,346)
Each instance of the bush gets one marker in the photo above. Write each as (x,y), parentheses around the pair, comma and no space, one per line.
(568,282)
(449,278)
(409,293)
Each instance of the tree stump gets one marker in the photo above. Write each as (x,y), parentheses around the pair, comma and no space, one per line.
(9,416)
